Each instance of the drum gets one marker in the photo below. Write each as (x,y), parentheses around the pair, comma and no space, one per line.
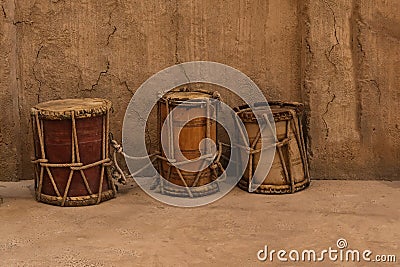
(289,171)
(187,138)
(71,152)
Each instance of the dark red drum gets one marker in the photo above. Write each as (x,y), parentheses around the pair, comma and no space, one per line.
(71,152)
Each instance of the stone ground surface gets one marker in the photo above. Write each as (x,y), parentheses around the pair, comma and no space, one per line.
(135,230)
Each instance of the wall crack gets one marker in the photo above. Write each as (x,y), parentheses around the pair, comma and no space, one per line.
(28,22)
(359,43)
(113,27)
(4,12)
(176,20)
(332,47)
(103,72)
(34,73)
(125,83)
(326,112)
(110,35)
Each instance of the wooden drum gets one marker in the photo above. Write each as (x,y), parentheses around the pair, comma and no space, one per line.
(197,183)
(71,152)
(289,171)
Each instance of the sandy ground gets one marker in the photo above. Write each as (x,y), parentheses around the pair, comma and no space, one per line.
(135,230)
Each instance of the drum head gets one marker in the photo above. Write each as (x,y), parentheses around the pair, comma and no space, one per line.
(63,108)
(280,111)
(177,97)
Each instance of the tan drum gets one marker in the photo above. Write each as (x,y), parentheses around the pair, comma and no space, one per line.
(71,152)
(289,171)
(193,183)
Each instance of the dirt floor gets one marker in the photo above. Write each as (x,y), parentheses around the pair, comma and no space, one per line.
(135,230)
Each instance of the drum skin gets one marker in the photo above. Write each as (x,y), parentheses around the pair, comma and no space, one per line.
(189,139)
(277,180)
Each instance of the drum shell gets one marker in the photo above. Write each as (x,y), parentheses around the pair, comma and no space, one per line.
(186,138)
(58,148)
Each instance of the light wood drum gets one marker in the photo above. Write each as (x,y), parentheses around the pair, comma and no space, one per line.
(186,137)
(289,171)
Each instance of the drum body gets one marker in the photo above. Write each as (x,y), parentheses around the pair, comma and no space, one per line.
(186,137)
(289,170)
(71,152)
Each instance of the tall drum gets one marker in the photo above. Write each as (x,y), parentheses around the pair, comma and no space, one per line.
(186,137)
(71,152)
(289,170)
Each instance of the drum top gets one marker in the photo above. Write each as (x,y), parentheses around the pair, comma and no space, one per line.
(63,108)
(280,111)
(177,97)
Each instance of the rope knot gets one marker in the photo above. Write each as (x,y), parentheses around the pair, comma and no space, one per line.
(213,166)
(116,146)
(216,95)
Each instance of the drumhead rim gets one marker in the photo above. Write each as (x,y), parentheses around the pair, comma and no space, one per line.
(201,97)
(280,111)
(298,107)
(63,108)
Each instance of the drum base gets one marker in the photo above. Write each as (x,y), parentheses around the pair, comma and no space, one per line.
(274,189)
(204,190)
(75,201)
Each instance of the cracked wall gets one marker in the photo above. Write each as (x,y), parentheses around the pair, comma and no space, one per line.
(338,57)
(351,89)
